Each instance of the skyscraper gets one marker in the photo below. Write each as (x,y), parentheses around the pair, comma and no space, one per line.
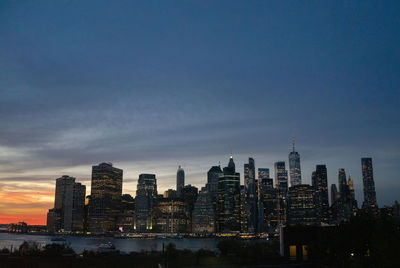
(126,218)
(228,205)
(336,209)
(69,203)
(180,180)
(189,195)
(281,181)
(345,203)
(169,215)
(294,167)
(78,208)
(212,180)
(262,184)
(250,198)
(105,198)
(342,181)
(231,164)
(203,216)
(170,193)
(301,206)
(369,185)
(63,201)
(351,193)
(146,192)
(334,195)
(263,173)
(212,184)
(320,184)
(270,203)
(281,177)
(244,211)
(249,177)
(351,188)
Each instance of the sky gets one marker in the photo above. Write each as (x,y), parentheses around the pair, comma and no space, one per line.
(150,85)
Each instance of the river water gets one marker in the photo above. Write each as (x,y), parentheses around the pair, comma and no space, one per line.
(80,243)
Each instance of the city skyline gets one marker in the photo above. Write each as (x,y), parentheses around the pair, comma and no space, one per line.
(150,86)
(359,196)
(255,207)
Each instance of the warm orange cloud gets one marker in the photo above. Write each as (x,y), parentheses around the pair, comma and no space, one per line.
(28,206)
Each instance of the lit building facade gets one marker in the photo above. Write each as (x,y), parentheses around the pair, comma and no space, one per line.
(170,215)
(203,216)
(212,184)
(352,195)
(170,193)
(250,198)
(301,206)
(126,217)
(281,181)
(69,203)
(269,199)
(294,167)
(105,198)
(228,205)
(146,193)
(263,173)
(263,177)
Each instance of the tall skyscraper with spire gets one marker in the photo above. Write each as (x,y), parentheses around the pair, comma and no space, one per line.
(294,167)
(180,180)
(231,164)
(369,184)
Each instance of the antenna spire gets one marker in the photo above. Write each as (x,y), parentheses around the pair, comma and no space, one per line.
(293,142)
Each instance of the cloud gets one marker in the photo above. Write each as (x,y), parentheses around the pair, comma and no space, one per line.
(151,93)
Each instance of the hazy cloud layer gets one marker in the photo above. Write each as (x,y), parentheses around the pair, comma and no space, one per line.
(150,86)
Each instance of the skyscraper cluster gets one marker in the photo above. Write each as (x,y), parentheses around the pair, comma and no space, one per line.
(69,206)
(224,205)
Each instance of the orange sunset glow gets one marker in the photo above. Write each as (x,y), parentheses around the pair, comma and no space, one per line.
(28,206)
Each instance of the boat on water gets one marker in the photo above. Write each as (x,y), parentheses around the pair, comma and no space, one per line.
(58,239)
(161,236)
(176,236)
(169,236)
(106,247)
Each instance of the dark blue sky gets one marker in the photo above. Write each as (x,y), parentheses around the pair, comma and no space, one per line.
(149,85)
